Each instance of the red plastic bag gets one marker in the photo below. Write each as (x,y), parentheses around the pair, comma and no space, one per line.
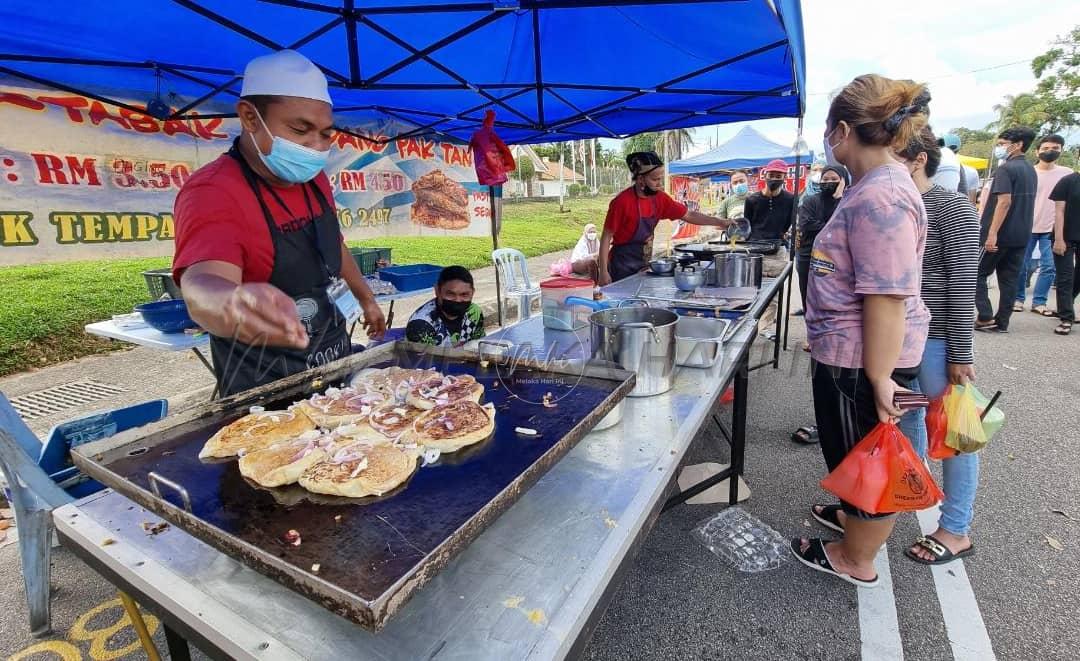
(491,156)
(882,474)
(937,425)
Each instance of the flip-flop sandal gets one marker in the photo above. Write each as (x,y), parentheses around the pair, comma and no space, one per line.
(1018,307)
(815,557)
(1044,311)
(1064,328)
(828,517)
(806,435)
(942,554)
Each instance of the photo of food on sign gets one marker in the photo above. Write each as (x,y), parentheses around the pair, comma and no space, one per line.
(365,439)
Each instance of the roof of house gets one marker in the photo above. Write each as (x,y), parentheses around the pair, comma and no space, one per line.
(545,169)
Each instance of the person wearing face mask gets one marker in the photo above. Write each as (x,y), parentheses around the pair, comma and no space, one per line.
(259,253)
(769,211)
(583,258)
(626,242)
(814,212)
(1006,228)
(451,318)
(1042,227)
(813,182)
(865,320)
(733,205)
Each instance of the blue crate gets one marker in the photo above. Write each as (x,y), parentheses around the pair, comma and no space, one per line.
(411,276)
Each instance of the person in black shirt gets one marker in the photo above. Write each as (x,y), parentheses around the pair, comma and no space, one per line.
(769,211)
(1006,227)
(1066,197)
(814,212)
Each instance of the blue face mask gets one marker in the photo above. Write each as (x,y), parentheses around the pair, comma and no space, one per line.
(289,161)
(741,189)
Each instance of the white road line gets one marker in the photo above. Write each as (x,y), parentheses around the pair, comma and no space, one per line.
(963,621)
(879,628)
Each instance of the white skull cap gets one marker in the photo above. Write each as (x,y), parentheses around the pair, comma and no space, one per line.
(285,73)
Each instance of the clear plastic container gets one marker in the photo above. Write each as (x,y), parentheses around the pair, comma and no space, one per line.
(743,541)
(557,314)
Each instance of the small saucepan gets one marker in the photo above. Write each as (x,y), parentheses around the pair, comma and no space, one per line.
(662,266)
(689,278)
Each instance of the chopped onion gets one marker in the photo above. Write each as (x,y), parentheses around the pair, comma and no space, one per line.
(525,431)
(400,411)
(449,424)
(276,415)
(333,392)
(310,435)
(356,403)
(256,409)
(392,420)
(431,455)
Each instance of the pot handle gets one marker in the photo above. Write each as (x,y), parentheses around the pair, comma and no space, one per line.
(623,302)
(577,300)
(640,324)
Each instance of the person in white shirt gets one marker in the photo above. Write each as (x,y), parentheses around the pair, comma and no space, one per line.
(1042,229)
(949,173)
(583,257)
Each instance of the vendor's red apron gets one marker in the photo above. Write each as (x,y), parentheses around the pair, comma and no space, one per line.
(628,258)
(305,260)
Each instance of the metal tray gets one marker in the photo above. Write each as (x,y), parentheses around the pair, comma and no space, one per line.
(372,553)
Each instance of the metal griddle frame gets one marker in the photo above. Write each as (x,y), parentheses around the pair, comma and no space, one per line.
(95,458)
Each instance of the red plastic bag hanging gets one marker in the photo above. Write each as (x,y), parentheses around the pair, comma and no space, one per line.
(937,425)
(882,474)
(491,156)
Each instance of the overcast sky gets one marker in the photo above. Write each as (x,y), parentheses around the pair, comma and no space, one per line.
(940,42)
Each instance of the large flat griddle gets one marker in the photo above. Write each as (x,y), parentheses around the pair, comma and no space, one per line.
(372,553)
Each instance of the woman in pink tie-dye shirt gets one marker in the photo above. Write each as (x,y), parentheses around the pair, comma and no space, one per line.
(865,320)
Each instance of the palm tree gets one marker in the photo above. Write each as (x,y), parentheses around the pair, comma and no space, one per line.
(679,141)
(1020,110)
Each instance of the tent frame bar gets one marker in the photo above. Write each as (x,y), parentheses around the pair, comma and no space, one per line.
(522,5)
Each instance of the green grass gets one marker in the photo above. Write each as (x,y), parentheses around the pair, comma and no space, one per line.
(44,307)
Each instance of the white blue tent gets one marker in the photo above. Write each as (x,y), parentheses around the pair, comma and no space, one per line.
(746,149)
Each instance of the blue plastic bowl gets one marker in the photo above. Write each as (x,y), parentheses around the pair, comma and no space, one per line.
(166,316)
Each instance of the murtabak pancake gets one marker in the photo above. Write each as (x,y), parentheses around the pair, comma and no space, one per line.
(255,431)
(360,470)
(390,380)
(341,406)
(385,424)
(450,427)
(438,389)
(282,463)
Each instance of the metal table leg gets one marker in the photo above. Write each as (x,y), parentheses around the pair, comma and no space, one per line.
(208,366)
(177,646)
(390,315)
(780,314)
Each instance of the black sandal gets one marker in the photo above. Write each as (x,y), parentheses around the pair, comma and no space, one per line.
(941,553)
(1064,328)
(806,435)
(829,516)
(815,557)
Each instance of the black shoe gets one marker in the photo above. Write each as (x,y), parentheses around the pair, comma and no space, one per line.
(992,329)
(798,313)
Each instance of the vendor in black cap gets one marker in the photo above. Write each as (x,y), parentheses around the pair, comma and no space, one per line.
(626,242)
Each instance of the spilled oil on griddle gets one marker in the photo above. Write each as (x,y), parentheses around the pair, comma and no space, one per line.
(365,546)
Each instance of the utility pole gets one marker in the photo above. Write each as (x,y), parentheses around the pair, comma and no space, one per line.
(593,143)
(562,180)
(573,158)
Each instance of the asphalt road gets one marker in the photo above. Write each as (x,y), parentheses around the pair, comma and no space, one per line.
(678,601)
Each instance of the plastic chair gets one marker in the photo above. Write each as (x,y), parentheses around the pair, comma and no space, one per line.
(514,273)
(26,463)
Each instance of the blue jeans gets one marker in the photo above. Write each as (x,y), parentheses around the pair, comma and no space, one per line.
(961,472)
(1046,270)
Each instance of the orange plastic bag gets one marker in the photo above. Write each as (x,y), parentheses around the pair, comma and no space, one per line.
(882,474)
(937,426)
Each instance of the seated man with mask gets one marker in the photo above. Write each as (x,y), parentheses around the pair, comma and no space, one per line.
(451,318)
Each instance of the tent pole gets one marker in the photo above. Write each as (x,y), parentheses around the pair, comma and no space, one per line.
(793,228)
(495,246)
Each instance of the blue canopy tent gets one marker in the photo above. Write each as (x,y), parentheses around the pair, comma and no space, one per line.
(746,149)
(551,69)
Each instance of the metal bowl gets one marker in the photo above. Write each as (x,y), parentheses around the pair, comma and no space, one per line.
(662,266)
(689,278)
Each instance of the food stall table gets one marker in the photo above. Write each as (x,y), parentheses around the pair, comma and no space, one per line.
(151,338)
(533,585)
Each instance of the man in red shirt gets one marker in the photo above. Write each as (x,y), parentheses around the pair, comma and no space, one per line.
(626,242)
(259,253)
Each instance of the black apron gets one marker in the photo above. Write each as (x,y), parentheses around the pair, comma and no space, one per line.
(305,260)
(628,258)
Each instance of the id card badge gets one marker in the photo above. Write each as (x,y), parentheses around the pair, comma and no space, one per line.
(344,300)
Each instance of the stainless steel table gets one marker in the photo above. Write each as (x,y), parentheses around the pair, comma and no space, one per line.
(531,586)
